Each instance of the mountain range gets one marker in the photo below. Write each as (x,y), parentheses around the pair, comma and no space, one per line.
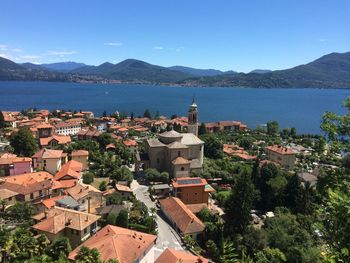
(329,71)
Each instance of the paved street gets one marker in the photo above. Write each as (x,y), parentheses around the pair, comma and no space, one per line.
(167,237)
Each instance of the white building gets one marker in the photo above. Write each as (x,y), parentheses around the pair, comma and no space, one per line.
(68,128)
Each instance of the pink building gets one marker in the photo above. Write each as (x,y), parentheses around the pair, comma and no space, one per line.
(21,165)
(10,164)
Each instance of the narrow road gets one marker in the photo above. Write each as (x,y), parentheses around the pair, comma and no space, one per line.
(167,237)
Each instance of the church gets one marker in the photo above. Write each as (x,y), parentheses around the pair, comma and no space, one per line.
(177,153)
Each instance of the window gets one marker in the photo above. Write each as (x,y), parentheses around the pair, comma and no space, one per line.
(178,153)
(31,196)
(157,160)
(182,168)
(40,192)
(85,230)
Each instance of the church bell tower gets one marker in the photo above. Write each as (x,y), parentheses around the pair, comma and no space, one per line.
(193,118)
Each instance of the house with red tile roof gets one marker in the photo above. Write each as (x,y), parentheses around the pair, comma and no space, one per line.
(69,171)
(122,244)
(225,126)
(171,255)
(30,186)
(181,217)
(49,160)
(124,190)
(75,225)
(13,165)
(284,156)
(82,157)
(54,140)
(192,190)
(88,197)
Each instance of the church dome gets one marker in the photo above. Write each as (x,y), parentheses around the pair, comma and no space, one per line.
(170,136)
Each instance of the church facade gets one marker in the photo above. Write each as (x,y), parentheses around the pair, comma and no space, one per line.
(177,153)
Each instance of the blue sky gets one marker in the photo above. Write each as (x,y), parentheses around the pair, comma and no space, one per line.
(227,35)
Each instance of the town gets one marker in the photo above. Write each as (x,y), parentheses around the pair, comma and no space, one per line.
(151,188)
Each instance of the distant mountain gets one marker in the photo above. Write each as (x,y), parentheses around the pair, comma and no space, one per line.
(10,70)
(200,72)
(260,71)
(63,66)
(329,71)
(134,70)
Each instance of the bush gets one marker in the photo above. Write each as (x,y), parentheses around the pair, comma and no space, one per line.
(88,178)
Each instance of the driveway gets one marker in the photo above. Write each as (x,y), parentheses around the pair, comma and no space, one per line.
(167,237)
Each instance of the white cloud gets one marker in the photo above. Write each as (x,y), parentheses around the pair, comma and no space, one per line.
(3,47)
(3,55)
(30,57)
(61,53)
(323,40)
(179,49)
(18,50)
(158,48)
(114,44)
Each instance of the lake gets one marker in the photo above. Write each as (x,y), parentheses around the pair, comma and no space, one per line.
(300,108)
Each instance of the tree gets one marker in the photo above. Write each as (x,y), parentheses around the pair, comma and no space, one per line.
(114,199)
(212,250)
(270,255)
(103,186)
(157,116)
(59,247)
(88,178)
(21,211)
(23,142)
(147,114)
(293,132)
(152,174)
(3,124)
(202,129)
(213,148)
(104,114)
(272,127)
(335,215)
(111,219)
(104,139)
(228,254)
(122,219)
(86,255)
(240,203)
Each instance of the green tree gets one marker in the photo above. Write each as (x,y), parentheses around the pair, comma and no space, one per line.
(270,255)
(114,199)
(147,114)
(111,219)
(23,142)
(335,216)
(21,211)
(2,121)
(103,186)
(212,249)
(122,219)
(240,203)
(213,147)
(60,246)
(202,129)
(229,254)
(272,127)
(88,178)
(86,255)
(104,139)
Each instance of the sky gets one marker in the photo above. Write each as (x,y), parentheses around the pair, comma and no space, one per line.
(222,34)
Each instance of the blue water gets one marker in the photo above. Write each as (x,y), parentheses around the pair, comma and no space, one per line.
(300,108)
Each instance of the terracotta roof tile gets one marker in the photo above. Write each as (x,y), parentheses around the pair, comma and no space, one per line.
(119,243)
(60,218)
(184,218)
(171,255)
